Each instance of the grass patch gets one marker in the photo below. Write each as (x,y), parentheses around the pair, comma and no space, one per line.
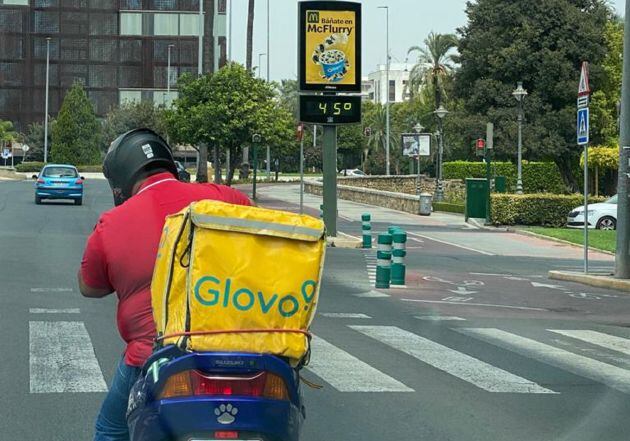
(604,240)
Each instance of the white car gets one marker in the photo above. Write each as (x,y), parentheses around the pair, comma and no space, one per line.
(352,172)
(602,216)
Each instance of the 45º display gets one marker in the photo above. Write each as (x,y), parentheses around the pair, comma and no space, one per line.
(323,109)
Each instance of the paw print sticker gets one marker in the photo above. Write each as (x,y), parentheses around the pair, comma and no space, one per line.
(226,413)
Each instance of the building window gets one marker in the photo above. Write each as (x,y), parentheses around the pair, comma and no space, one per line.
(46,3)
(189,24)
(222,6)
(46,22)
(11,74)
(130,4)
(129,96)
(14,2)
(10,20)
(103,23)
(40,46)
(130,23)
(130,51)
(165,24)
(392,90)
(163,5)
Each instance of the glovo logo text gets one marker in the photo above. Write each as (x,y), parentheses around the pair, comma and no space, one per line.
(211,291)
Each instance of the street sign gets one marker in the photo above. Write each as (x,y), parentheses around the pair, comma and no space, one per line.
(300,132)
(6,154)
(584,88)
(25,148)
(582,126)
(330,109)
(329,46)
(416,144)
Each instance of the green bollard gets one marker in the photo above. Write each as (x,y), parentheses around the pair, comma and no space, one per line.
(393,229)
(383,260)
(398,257)
(321,211)
(366,226)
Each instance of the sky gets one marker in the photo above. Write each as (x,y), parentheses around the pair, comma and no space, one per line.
(410,21)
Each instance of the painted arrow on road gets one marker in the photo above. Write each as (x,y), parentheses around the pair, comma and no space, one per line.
(544,285)
(462,291)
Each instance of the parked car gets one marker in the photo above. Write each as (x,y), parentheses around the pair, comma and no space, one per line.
(602,216)
(59,181)
(352,172)
(182,173)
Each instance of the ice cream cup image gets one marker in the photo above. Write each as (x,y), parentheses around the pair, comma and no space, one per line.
(333,62)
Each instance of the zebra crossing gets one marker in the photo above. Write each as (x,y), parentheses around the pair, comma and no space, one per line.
(62,358)
(370,261)
(346,372)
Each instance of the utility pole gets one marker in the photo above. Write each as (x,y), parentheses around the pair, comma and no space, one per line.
(46,99)
(387,161)
(268,79)
(200,37)
(622,257)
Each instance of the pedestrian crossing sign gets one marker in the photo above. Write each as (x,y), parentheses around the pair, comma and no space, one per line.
(582,126)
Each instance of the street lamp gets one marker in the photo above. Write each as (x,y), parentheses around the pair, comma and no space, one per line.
(520,94)
(386,90)
(46,99)
(418,129)
(441,112)
(168,73)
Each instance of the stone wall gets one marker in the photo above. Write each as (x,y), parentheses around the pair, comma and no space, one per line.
(395,201)
(454,190)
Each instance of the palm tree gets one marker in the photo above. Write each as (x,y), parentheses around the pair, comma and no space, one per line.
(377,121)
(250,34)
(434,65)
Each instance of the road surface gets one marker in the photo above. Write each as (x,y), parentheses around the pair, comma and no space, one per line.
(480,345)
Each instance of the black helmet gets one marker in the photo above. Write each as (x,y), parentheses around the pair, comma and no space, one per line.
(130,156)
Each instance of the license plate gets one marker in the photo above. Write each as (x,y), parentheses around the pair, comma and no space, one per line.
(59,184)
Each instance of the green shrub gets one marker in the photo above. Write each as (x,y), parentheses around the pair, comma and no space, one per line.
(535,209)
(449,208)
(538,177)
(28,167)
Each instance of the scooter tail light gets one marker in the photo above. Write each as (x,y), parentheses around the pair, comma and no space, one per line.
(178,385)
(226,434)
(234,385)
(275,387)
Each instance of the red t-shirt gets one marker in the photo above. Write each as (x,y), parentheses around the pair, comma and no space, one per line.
(120,253)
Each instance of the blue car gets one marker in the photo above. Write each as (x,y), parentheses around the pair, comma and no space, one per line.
(59,181)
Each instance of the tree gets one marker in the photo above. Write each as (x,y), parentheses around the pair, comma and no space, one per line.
(76,135)
(542,44)
(250,35)
(225,109)
(434,65)
(34,138)
(133,115)
(7,134)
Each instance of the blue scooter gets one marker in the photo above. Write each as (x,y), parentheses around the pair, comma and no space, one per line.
(203,396)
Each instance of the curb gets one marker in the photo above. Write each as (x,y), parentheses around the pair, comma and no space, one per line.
(555,239)
(344,241)
(602,281)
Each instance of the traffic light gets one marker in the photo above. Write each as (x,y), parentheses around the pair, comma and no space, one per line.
(480,147)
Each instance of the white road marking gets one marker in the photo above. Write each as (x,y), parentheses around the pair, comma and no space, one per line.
(451,244)
(490,274)
(347,373)
(372,294)
(612,376)
(607,341)
(458,364)
(462,291)
(51,289)
(62,359)
(526,308)
(546,285)
(344,315)
(439,318)
(54,311)
(397,286)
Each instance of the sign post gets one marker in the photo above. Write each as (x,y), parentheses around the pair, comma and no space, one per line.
(584,91)
(415,145)
(256,139)
(329,62)
(300,137)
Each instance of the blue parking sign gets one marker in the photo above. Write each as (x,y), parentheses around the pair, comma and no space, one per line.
(582,126)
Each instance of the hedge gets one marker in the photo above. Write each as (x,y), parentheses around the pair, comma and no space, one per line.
(35,167)
(538,177)
(448,207)
(535,209)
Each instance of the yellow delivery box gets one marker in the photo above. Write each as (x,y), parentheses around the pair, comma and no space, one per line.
(235,278)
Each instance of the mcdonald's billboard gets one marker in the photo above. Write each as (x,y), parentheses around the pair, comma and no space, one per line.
(330,46)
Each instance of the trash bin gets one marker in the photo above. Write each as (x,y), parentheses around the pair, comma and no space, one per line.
(499,184)
(426,204)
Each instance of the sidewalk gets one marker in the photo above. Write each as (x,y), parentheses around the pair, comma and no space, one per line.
(287,197)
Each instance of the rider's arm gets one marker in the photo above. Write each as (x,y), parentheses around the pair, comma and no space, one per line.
(88,291)
(93,276)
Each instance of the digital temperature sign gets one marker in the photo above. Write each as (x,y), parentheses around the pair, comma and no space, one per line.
(328,109)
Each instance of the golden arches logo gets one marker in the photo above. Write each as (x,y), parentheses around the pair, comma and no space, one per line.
(312,16)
